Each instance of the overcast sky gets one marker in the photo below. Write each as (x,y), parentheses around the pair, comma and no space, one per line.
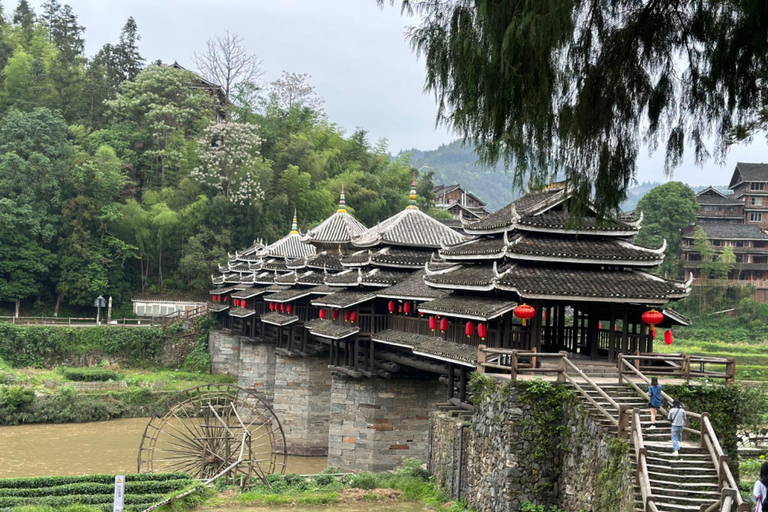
(356,53)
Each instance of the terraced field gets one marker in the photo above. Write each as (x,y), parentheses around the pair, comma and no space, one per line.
(141,491)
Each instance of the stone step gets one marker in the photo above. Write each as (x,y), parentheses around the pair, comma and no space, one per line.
(709,492)
(685,486)
(665,505)
(663,474)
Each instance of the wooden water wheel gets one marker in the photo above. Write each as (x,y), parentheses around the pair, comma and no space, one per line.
(215,431)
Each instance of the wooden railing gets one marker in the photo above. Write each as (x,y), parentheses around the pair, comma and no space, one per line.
(683,366)
(81,322)
(641,457)
(518,362)
(707,437)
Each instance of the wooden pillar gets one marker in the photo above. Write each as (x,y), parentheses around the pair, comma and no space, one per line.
(463,383)
(593,333)
(355,353)
(536,329)
(625,331)
(561,326)
(505,342)
(612,336)
(450,380)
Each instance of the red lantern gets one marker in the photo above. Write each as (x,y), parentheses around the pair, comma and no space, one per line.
(652,317)
(214,298)
(599,326)
(353,317)
(271,306)
(322,314)
(282,307)
(334,313)
(482,331)
(545,316)
(668,337)
(525,313)
(242,303)
(653,333)
(407,307)
(237,302)
(289,308)
(346,315)
(432,323)
(443,325)
(391,307)
(469,329)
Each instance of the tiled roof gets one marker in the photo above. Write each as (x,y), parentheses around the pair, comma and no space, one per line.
(238,267)
(346,278)
(429,346)
(505,217)
(590,284)
(582,249)
(470,307)
(675,317)
(296,264)
(274,318)
(329,329)
(357,258)
(749,172)
(217,307)
(248,293)
(275,264)
(401,258)
(410,228)
(311,277)
(473,277)
(412,288)
(324,260)
(222,291)
(378,277)
(275,288)
(241,312)
(288,279)
(486,248)
(725,231)
(265,277)
(256,249)
(343,299)
(718,199)
(291,247)
(339,228)
(288,295)
(563,222)
(323,289)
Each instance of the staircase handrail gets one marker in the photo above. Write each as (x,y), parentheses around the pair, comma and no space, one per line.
(592,383)
(683,369)
(708,439)
(602,411)
(642,477)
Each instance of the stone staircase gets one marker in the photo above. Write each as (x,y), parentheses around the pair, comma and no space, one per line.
(678,483)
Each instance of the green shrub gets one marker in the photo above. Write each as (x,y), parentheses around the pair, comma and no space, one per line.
(365,481)
(54,481)
(90,374)
(14,398)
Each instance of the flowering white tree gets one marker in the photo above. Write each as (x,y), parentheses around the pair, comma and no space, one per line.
(229,161)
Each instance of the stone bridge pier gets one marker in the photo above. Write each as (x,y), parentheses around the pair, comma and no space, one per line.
(375,423)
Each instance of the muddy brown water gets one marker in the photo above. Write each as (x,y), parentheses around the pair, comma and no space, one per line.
(109,447)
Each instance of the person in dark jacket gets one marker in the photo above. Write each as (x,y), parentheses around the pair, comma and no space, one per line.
(654,399)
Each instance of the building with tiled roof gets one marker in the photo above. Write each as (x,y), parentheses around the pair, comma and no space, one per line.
(459,202)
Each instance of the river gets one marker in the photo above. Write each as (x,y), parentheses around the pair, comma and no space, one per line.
(109,447)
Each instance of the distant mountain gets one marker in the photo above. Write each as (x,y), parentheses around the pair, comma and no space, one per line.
(455,163)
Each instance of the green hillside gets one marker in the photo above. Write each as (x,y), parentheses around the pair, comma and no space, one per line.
(456,163)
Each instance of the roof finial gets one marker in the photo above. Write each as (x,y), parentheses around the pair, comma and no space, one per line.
(342,204)
(294,225)
(412,197)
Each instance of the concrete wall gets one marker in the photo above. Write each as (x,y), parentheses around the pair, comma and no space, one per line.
(257,368)
(375,423)
(224,349)
(302,403)
(502,463)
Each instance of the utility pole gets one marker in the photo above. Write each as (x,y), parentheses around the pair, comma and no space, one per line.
(109,311)
(98,304)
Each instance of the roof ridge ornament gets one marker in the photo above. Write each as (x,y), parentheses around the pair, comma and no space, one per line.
(638,222)
(689,282)
(342,203)
(412,196)
(294,224)
(359,275)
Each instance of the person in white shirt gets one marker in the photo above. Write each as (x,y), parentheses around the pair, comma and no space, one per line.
(760,493)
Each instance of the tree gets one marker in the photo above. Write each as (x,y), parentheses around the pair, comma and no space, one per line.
(35,154)
(706,251)
(161,99)
(230,163)
(292,90)
(24,18)
(666,210)
(578,86)
(725,262)
(226,62)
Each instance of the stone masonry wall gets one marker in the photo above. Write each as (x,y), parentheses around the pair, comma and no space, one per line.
(302,402)
(505,460)
(375,423)
(224,349)
(257,368)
